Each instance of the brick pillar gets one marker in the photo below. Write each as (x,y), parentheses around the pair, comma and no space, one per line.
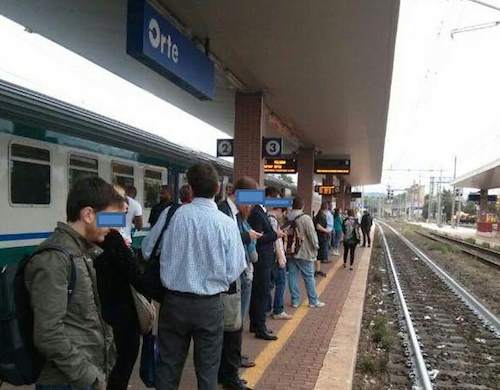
(305,163)
(347,198)
(483,205)
(327,181)
(340,194)
(248,131)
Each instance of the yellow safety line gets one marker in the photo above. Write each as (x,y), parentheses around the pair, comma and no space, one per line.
(266,356)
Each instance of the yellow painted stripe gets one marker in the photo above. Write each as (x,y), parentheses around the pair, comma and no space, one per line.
(267,355)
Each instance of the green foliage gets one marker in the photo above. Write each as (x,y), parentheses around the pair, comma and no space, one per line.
(381,334)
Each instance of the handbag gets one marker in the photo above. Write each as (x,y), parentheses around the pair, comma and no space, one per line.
(150,278)
(232,308)
(146,312)
(150,356)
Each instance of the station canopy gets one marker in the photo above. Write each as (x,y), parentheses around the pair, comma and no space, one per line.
(325,67)
(486,177)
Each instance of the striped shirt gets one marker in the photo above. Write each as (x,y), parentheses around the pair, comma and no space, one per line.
(202,252)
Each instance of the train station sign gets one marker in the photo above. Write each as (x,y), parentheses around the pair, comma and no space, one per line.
(272,147)
(477,198)
(225,147)
(324,190)
(332,166)
(154,41)
(280,165)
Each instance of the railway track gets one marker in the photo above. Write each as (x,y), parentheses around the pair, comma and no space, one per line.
(488,256)
(453,341)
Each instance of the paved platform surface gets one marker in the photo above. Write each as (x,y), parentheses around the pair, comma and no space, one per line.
(315,350)
(461,232)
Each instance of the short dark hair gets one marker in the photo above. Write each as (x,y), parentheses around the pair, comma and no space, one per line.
(298,203)
(350,213)
(131,191)
(204,180)
(272,192)
(186,193)
(91,192)
(245,183)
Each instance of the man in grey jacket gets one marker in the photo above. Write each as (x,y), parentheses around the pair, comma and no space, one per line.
(303,260)
(69,330)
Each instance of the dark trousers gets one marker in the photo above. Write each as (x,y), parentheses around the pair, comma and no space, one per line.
(259,301)
(366,236)
(127,340)
(349,248)
(231,358)
(323,240)
(182,318)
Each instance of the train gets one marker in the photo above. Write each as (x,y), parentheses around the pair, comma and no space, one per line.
(47,144)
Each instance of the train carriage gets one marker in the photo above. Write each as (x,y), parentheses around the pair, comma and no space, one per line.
(46,144)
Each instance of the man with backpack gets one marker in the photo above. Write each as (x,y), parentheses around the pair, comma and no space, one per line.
(302,250)
(351,239)
(68,330)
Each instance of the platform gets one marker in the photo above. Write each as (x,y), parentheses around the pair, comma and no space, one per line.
(463,233)
(316,350)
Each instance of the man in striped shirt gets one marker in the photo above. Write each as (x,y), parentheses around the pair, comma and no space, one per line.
(201,255)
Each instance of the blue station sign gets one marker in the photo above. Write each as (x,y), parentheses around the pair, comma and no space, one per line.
(155,42)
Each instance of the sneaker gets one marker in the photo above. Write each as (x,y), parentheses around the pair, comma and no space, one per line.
(351,268)
(344,265)
(322,274)
(317,304)
(295,305)
(282,316)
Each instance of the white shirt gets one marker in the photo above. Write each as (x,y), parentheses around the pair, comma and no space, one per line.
(134,210)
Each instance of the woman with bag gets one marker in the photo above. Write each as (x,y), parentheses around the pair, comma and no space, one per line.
(127,312)
(351,239)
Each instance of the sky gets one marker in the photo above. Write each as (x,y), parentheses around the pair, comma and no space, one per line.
(444,97)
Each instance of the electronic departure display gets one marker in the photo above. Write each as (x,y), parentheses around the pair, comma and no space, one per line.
(280,165)
(333,166)
(325,190)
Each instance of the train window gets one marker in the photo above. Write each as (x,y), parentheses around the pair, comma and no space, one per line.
(80,167)
(123,174)
(152,184)
(29,175)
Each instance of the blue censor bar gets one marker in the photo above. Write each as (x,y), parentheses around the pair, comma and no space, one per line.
(155,42)
(252,197)
(110,220)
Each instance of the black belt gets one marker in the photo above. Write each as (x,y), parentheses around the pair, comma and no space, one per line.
(190,295)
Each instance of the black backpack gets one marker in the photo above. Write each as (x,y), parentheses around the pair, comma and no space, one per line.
(150,279)
(20,362)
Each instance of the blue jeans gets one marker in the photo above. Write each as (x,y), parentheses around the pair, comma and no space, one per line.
(306,269)
(336,239)
(279,278)
(246,292)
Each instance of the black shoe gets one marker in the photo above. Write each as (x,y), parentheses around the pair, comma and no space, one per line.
(236,385)
(368,245)
(265,336)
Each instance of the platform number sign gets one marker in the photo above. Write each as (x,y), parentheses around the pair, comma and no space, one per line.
(272,147)
(225,147)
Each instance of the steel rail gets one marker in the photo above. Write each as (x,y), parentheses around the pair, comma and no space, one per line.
(482,254)
(422,376)
(477,307)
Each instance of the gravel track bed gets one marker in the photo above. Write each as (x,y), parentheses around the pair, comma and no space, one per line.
(454,341)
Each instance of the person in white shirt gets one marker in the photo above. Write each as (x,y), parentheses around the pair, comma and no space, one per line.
(134,214)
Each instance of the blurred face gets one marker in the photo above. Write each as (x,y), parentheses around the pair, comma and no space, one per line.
(245,210)
(88,217)
(165,195)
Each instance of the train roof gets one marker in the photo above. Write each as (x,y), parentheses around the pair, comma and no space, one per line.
(35,108)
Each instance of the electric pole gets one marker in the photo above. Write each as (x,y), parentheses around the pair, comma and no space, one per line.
(453,196)
(439,211)
(429,202)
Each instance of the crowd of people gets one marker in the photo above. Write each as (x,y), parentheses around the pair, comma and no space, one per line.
(215,264)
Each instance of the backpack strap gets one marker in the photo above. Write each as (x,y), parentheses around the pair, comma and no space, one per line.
(72,275)
(170,213)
